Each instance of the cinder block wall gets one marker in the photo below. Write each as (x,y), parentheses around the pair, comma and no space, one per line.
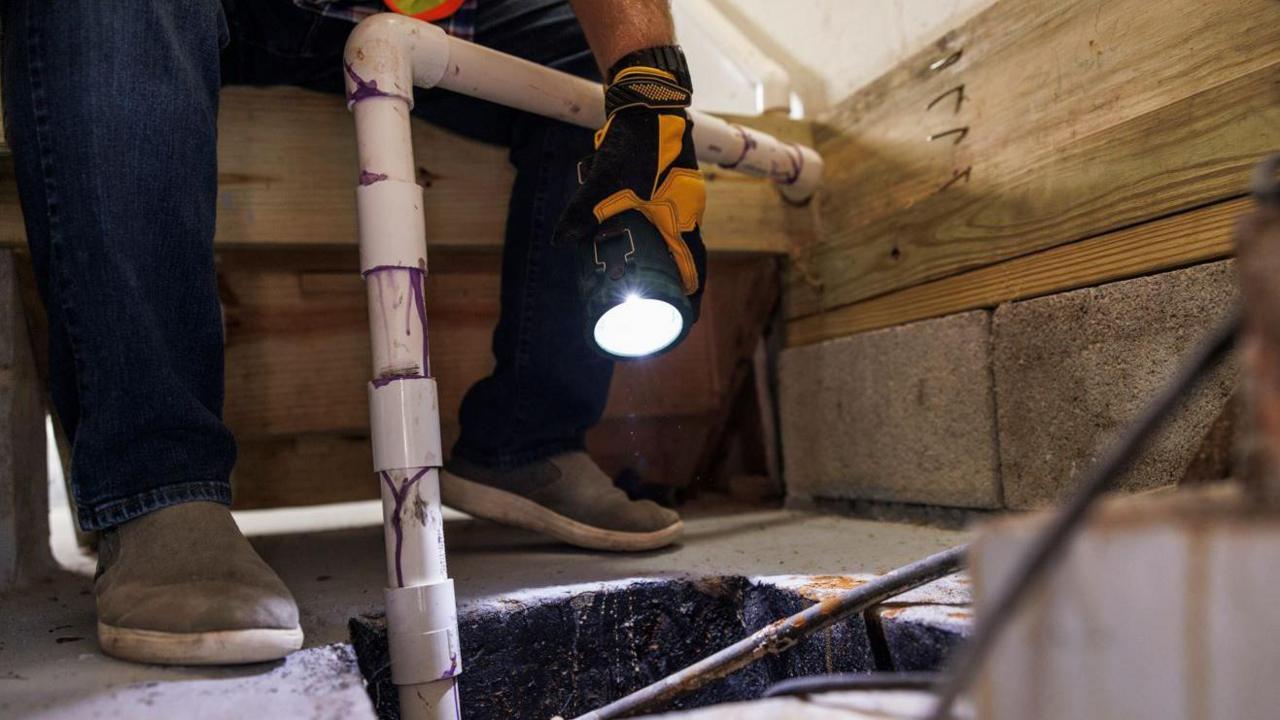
(1002,408)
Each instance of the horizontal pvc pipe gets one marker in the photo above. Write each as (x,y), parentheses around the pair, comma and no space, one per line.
(384,48)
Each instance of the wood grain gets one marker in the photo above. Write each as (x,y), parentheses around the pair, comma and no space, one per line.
(286,178)
(297,366)
(1080,118)
(296,470)
(297,353)
(1183,239)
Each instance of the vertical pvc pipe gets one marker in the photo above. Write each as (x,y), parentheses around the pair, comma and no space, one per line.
(404,414)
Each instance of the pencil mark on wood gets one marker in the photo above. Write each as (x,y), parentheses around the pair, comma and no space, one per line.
(956,175)
(960,133)
(959,93)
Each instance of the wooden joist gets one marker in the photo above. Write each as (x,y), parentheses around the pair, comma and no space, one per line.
(287,170)
(1052,122)
(1195,236)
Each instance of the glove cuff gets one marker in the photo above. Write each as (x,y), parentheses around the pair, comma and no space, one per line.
(656,77)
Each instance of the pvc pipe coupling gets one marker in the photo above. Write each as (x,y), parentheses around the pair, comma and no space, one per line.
(422,633)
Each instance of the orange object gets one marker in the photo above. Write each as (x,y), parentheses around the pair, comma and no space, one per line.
(428,10)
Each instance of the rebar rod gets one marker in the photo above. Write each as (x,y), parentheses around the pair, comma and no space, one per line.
(783,634)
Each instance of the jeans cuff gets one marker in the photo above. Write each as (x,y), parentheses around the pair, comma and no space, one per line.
(115,512)
(511,460)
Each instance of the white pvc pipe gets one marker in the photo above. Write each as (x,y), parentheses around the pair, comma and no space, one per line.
(385,47)
(386,56)
(404,415)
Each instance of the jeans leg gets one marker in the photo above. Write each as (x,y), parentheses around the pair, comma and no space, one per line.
(111,109)
(548,386)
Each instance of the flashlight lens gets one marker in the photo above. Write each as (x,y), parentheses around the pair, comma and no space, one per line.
(637,327)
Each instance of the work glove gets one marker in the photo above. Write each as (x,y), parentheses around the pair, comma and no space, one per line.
(644,160)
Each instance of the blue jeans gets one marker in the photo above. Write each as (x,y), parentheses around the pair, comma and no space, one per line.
(111,109)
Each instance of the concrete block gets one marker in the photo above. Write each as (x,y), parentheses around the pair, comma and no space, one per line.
(1161,608)
(24,495)
(920,638)
(1072,369)
(904,415)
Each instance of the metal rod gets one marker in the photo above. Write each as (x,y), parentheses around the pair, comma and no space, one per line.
(783,634)
(860,681)
(1049,546)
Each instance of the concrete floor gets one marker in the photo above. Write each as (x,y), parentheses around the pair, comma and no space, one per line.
(50,666)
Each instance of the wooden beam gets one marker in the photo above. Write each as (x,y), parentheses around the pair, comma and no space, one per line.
(286,178)
(1184,239)
(1070,119)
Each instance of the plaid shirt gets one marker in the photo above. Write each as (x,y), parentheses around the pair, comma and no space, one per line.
(461,24)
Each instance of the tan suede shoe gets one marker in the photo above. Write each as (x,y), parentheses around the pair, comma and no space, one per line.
(182,586)
(567,497)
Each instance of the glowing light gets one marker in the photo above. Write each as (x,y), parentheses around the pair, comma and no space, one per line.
(638,326)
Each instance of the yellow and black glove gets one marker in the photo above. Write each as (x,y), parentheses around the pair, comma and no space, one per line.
(645,161)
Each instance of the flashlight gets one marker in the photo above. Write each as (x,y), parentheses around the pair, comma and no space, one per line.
(633,300)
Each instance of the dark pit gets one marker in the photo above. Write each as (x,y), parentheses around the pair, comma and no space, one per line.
(566,651)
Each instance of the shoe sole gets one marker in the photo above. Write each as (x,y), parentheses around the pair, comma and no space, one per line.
(510,509)
(221,647)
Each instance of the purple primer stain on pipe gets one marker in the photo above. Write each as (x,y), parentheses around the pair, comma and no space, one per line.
(748,144)
(417,283)
(365,89)
(797,165)
(369,178)
(386,380)
(419,275)
(453,667)
(399,495)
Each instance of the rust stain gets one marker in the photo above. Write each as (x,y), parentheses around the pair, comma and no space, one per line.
(891,612)
(820,587)
(830,605)
(960,615)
